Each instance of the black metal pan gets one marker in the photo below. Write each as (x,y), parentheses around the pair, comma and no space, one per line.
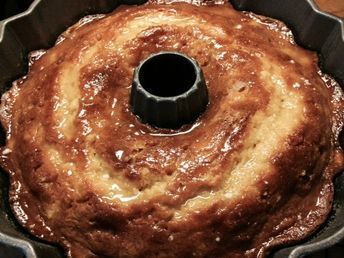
(38,28)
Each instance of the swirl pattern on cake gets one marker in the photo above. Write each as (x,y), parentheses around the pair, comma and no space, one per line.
(253,172)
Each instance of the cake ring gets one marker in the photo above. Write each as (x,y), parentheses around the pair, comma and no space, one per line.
(252,172)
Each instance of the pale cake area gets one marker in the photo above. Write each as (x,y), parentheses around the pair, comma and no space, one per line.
(253,172)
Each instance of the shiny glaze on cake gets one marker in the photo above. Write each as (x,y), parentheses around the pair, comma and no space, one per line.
(253,172)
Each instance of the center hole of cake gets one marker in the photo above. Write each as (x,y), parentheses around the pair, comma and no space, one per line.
(167,75)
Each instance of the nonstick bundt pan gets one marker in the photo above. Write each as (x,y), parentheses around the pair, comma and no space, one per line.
(38,28)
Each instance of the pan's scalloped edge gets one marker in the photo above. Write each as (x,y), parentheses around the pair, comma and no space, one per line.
(313,29)
(25,247)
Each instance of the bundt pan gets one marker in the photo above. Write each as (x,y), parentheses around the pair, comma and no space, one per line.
(39,27)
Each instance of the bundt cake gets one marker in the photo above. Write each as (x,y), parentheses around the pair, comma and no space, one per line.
(253,172)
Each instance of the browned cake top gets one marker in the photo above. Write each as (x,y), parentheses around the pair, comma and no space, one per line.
(253,172)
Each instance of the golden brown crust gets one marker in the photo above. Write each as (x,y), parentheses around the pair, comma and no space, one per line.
(253,172)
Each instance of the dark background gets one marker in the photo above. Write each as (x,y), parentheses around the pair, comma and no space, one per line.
(11,7)
(7,9)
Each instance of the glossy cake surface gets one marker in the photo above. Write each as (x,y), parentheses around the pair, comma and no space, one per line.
(253,172)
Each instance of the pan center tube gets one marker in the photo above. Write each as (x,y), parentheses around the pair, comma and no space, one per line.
(168,90)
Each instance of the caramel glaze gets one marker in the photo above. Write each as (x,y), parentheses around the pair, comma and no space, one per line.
(253,172)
